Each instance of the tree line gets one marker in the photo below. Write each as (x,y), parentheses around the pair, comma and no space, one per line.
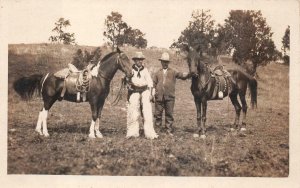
(117,32)
(245,35)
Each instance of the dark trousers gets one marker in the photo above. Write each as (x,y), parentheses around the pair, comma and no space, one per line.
(168,106)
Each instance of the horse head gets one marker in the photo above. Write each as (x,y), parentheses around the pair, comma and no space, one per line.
(124,64)
(193,59)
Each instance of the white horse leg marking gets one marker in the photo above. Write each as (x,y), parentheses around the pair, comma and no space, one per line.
(38,127)
(92,130)
(98,133)
(44,122)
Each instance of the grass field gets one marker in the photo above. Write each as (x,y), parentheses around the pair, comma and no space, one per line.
(263,151)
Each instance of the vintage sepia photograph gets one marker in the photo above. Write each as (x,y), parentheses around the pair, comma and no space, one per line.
(149,89)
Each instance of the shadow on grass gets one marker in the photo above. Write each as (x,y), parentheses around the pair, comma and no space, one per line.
(84,129)
(69,128)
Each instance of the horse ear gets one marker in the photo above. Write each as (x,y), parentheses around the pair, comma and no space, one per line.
(118,50)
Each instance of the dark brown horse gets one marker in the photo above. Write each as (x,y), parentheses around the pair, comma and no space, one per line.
(50,87)
(204,85)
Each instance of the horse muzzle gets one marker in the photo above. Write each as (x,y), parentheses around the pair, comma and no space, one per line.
(129,76)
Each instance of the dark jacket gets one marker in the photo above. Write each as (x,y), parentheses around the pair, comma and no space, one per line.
(166,90)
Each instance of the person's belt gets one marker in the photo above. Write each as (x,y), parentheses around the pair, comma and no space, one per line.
(139,88)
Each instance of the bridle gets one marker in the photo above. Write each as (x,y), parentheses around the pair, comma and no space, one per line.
(203,85)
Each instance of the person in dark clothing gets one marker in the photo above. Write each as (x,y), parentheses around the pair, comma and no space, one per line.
(164,83)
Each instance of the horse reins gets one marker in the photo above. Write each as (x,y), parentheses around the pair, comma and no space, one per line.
(203,86)
(118,97)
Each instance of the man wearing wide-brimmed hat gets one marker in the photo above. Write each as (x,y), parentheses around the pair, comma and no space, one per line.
(139,94)
(164,83)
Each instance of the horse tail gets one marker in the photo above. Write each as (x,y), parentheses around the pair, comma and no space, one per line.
(27,86)
(253,90)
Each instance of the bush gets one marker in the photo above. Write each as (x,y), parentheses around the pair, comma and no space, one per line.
(286,59)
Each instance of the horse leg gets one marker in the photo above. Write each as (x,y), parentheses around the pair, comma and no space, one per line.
(237,106)
(97,130)
(38,127)
(198,107)
(45,116)
(244,109)
(204,108)
(42,119)
(95,112)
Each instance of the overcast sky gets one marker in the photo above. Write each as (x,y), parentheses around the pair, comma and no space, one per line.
(31,21)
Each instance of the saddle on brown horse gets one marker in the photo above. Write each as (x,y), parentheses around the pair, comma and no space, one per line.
(75,82)
(223,79)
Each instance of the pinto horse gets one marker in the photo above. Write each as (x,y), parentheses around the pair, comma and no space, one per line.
(204,84)
(50,87)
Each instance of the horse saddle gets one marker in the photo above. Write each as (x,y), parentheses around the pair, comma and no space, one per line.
(75,82)
(78,82)
(222,82)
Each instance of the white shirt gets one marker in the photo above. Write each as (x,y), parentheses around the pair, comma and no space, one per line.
(165,70)
(144,80)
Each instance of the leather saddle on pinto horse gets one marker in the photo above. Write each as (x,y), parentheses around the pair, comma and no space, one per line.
(75,82)
(223,79)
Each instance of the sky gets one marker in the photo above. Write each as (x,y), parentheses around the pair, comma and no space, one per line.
(31,21)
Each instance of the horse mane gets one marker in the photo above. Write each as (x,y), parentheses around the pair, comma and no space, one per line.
(107,56)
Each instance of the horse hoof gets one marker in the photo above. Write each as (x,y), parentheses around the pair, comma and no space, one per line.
(232,129)
(243,129)
(40,132)
(46,134)
(202,136)
(99,135)
(196,135)
(92,136)
(152,137)
(131,137)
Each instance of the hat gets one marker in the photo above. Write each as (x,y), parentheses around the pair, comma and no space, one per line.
(138,55)
(165,57)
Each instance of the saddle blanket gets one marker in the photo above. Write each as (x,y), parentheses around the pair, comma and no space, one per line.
(62,73)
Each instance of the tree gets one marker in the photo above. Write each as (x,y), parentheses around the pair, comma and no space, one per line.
(115,27)
(199,33)
(135,37)
(61,35)
(286,40)
(286,45)
(119,32)
(250,38)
